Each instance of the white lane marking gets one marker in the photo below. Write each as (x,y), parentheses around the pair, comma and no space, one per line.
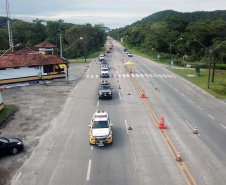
(87,76)
(127,75)
(189,125)
(132,75)
(223,126)
(92,147)
(200,108)
(164,75)
(91,76)
(182,94)
(223,102)
(190,100)
(96,76)
(119,75)
(173,76)
(211,116)
(160,75)
(162,95)
(176,89)
(137,75)
(146,75)
(119,95)
(141,75)
(155,75)
(88,171)
(126,126)
(98,103)
(169,76)
(123,75)
(18,176)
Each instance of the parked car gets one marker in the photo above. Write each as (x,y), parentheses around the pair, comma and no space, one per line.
(10,145)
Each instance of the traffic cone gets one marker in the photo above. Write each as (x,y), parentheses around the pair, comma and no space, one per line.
(130,70)
(116,76)
(129,93)
(155,87)
(119,87)
(130,127)
(117,80)
(1,90)
(178,156)
(195,131)
(142,94)
(161,123)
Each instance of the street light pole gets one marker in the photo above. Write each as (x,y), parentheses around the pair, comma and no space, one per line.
(210,53)
(170,45)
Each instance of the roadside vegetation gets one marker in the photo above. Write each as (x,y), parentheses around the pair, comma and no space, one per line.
(5,111)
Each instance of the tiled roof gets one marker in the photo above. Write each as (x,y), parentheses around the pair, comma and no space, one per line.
(26,50)
(45,44)
(21,60)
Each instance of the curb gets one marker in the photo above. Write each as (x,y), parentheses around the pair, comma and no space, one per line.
(7,115)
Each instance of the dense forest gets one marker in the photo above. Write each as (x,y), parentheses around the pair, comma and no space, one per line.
(77,40)
(186,37)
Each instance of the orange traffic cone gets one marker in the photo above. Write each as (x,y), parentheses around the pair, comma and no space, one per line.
(130,70)
(129,128)
(129,93)
(178,156)
(119,87)
(161,123)
(195,131)
(142,94)
(155,87)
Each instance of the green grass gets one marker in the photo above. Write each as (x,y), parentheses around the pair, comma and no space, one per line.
(79,61)
(216,88)
(5,111)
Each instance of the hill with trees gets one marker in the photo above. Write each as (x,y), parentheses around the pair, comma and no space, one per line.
(161,33)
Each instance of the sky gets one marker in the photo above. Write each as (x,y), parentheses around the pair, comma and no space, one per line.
(112,13)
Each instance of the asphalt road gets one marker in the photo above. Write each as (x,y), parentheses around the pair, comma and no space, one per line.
(144,155)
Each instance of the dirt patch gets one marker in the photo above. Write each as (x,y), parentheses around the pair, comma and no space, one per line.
(36,105)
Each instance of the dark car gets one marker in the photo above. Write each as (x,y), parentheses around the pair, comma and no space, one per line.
(125,50)
(104,90)
(10,145)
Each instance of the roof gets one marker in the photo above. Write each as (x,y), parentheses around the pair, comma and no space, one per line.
(27,50)
(29,59)
(45,44)
(100,116)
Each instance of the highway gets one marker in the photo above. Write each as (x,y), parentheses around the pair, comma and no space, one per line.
(144,155)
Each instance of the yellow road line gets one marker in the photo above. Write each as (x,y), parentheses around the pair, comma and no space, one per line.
(183,168)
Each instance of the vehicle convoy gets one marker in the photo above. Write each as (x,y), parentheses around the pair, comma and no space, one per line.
(10,145)
(105,90)
(130,54)
(100,129)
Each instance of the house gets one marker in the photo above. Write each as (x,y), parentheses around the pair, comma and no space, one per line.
(32,64)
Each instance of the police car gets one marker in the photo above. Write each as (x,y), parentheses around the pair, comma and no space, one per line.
(100,129)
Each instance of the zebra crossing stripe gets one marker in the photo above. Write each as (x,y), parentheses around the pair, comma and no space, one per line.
(141,75)
(151,75)
(127,75)
(137,75)
(87,76)
(91,76)
(169,76)
(96,76)
(155,75)
(146,75)
(123,75)
(160,76)
(173,76)
(119,76)
(164,75)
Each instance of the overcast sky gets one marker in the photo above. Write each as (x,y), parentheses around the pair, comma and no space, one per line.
(111,13)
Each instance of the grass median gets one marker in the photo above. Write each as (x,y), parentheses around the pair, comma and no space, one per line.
(5,111)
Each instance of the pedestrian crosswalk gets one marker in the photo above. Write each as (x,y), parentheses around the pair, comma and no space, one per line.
(135,76)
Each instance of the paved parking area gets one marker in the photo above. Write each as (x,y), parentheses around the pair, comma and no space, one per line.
(36,105)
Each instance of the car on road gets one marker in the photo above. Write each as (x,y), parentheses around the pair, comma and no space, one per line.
(104,73)
(105,90)
(10,145)
(125,50)
(130,54)
(100,129)
(101,57)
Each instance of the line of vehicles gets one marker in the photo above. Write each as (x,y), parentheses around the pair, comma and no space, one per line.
(101,126)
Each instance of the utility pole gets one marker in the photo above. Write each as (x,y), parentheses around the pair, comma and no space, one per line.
(60,47)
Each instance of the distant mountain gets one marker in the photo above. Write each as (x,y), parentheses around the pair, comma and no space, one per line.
(190,17)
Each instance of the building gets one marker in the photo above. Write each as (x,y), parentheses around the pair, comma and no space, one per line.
(32,64)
